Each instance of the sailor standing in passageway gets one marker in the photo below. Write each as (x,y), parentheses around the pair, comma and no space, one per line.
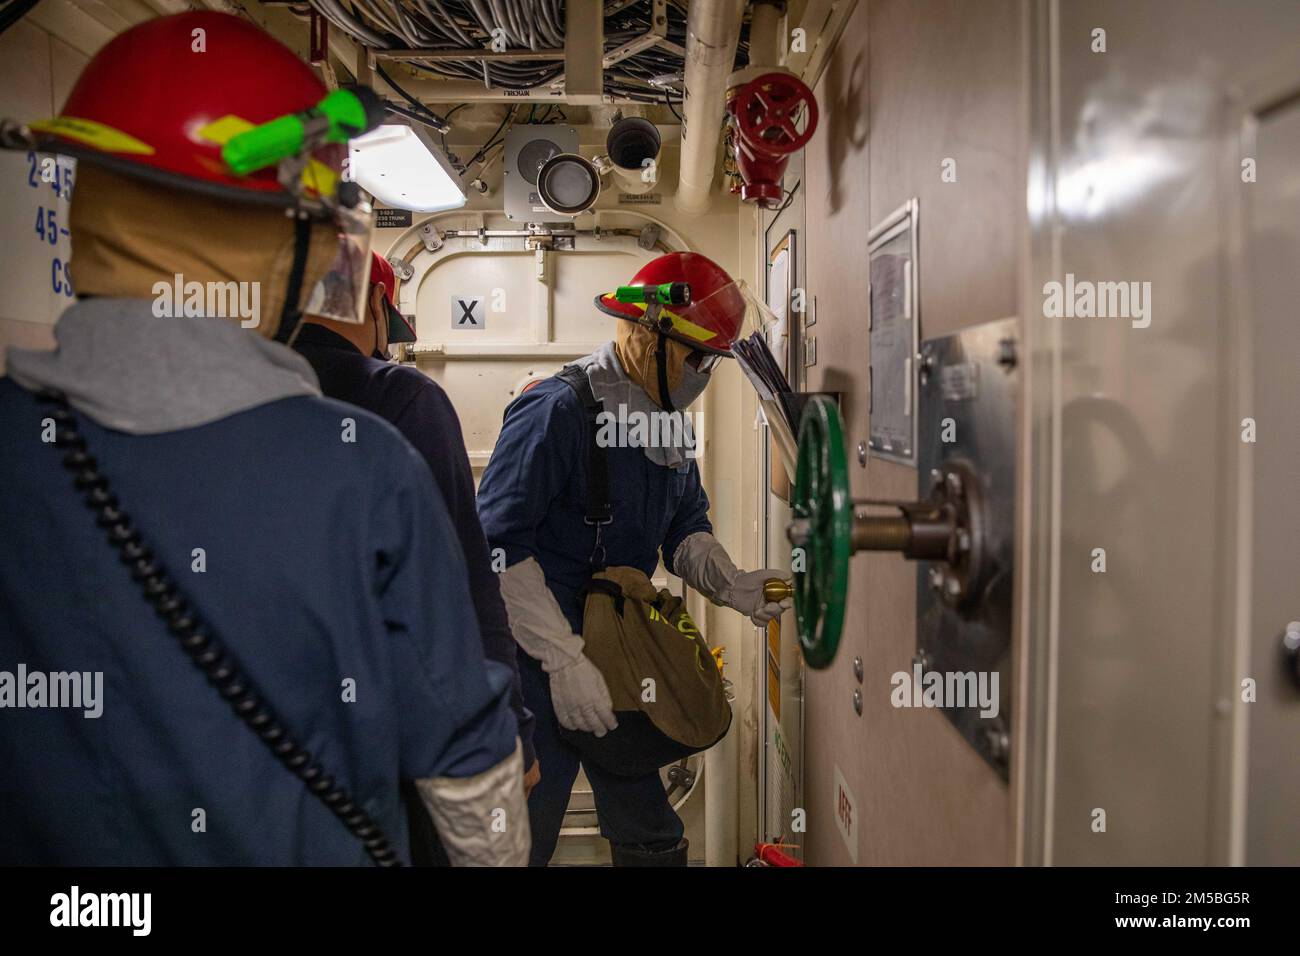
(533,501)
(315,581)
(351,362)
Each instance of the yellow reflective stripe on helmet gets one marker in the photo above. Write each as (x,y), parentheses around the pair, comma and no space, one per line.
(689,328)
(684,326)
(93,134)
(316,176)
(319,178)
(222,131)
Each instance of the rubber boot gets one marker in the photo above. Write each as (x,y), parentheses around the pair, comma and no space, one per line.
(628,855)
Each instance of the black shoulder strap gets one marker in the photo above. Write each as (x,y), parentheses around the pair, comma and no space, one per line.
(599,511)
(609,588)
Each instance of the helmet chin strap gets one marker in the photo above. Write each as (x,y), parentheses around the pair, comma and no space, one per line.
(661,360)
(290,312)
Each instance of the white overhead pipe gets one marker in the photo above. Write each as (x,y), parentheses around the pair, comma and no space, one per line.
(712,32)
(764,33)
(765,20)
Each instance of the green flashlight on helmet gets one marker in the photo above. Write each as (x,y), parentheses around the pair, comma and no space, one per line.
(343,114)
(667,293)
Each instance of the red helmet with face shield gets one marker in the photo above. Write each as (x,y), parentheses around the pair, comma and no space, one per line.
(161,99)
(712,319)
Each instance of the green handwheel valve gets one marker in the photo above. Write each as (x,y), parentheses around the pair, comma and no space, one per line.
(829,527)
(822,527)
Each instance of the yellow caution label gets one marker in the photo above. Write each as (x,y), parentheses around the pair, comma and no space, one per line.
(774,666)
(94,134)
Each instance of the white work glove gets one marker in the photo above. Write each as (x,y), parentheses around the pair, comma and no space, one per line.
(702,562)
(581,697)
(482,820)
(578,691)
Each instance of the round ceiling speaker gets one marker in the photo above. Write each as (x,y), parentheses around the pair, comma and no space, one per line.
(533,156)
(567,184)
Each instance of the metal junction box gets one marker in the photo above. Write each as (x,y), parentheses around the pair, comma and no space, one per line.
(527,147)
(968,386)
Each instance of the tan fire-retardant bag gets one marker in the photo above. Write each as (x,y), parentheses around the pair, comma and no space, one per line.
(664,681)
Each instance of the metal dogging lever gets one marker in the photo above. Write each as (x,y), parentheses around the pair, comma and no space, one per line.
(946,528)
(775,590)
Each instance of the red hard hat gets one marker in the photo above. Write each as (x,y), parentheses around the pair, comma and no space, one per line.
(399,328)
(162,98)
(716,311)
(381,270)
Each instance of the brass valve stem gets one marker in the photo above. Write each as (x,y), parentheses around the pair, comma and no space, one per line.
(921,533)
(880,532)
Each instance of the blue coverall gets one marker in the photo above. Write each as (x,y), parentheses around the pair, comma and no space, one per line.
(325,561)
(532,499)
(418,407)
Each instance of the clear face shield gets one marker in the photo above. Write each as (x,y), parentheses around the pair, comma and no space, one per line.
(706,362)
(733,311)
(343,293)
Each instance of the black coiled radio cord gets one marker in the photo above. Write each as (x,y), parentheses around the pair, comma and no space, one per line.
(204,648)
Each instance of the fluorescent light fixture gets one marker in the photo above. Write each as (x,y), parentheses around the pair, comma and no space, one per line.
(401,167)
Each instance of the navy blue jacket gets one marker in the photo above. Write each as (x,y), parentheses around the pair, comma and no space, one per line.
(419,408)
(326,561)
(532,497)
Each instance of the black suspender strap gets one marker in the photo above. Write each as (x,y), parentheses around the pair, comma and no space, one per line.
(599,512)
(291,312)
(661,360)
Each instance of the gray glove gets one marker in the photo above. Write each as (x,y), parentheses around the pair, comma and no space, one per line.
(747,596)
(702,562)
(581,697)
(578,691)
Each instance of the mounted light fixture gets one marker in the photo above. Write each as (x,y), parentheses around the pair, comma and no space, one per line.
(401,167)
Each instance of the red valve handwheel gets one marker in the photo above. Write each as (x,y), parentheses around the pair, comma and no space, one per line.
(766,108)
